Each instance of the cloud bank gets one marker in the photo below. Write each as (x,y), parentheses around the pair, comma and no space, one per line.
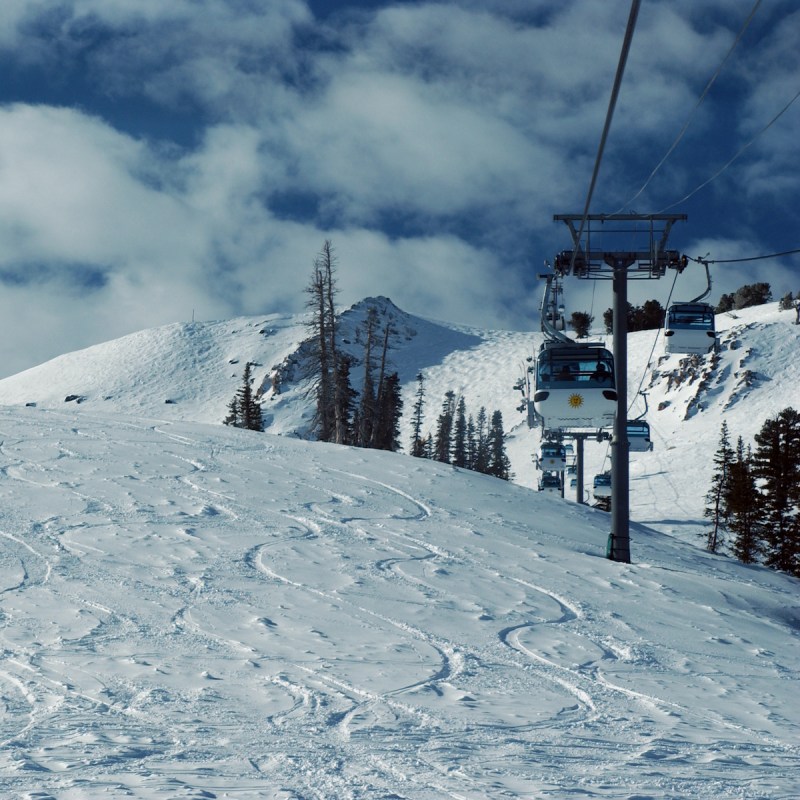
(160,161)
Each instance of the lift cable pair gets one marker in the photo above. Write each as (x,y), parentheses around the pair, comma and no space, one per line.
(695,109)
(735,155)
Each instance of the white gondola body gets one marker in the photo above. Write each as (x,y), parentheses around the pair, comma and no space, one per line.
(601,487)
(575,387)
(550,483)
(552,457)
(639,440)
(689,329)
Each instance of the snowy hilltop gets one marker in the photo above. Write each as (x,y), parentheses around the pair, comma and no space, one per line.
(189,372)
(193,610)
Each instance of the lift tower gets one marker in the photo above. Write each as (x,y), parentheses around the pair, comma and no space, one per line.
(589,260)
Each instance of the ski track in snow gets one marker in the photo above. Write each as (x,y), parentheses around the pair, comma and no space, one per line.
(194,612)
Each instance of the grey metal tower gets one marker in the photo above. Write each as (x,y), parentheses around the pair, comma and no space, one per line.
(593,256)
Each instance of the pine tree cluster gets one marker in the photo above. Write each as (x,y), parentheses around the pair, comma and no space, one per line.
(369,418)
(752,294)
(755,495)
(475,443)
(649,316)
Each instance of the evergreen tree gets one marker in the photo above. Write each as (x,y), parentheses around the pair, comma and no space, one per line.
(249,408)
(233,413)
(742,503)
(341,430)
(243,410)
(481,462)
(652,316)
(444,429)
(581,322)
(608,320)
(345,401)
(752,294)
(417,443)
(389,412)
(367,404)
(725,304)
(776,462)
(383,415)
(716,510)
(460,456)
(786,302)
(472,443)
(649,316)
(322,324)
(499,464)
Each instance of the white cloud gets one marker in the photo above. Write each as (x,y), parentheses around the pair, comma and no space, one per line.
(76,190)
(381,142)
(437,140)
(440,277)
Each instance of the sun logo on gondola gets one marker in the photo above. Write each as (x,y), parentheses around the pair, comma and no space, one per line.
(575,401)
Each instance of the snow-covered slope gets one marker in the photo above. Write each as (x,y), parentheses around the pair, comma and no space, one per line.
(201,612)
(755,375)
(189,372)
(183,371)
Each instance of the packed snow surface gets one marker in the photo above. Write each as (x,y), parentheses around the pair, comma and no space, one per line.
(188,610)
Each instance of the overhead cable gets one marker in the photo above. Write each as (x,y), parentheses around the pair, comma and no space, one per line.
(623,58)
(736,260)
(697,106)
(653,348)
(729,162)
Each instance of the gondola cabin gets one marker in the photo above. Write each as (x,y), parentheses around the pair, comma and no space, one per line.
(575,386)
(689,328)
(550,483)
(573,483)
(601,486)
(639,440)
(552,457)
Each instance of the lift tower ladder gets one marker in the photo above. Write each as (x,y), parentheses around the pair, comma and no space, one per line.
(588,261)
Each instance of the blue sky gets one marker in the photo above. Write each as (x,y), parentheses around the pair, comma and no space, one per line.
(164,160)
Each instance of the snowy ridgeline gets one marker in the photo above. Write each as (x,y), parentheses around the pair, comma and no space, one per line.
(197,611)
(190,372)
